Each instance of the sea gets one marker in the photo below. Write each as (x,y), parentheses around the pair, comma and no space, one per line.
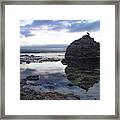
(54,79)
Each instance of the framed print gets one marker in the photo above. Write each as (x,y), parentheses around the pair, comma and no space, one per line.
(59,59)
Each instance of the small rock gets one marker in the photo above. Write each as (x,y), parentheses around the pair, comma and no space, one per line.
(33,77)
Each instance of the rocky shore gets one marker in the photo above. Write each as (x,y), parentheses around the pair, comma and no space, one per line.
(36,59)
(45,89)
(85,79)
(28,94)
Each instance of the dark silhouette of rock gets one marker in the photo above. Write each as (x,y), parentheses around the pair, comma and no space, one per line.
(33,77)
(63,61)
(83,62)
(83,53)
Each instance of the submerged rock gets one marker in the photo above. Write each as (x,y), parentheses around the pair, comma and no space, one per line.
(85,79)
(29,94)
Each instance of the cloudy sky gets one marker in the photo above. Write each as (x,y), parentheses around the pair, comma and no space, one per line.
(41,32)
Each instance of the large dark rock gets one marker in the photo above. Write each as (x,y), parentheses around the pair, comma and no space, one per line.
(83,62)
(83,53)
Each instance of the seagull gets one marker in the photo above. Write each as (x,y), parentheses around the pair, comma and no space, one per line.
(88,33)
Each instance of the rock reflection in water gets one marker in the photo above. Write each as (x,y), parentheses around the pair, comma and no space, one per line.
(84,78)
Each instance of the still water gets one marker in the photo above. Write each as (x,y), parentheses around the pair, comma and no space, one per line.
(54,79)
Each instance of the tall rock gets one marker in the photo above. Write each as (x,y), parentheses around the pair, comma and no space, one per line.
(83,62)
(83,53)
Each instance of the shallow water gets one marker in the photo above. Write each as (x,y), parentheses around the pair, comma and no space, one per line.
(41,68)
(54,79)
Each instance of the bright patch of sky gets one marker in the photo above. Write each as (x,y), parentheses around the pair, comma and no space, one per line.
(25,22)
(41,32)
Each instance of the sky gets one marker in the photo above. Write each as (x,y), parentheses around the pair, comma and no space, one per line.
(43,32)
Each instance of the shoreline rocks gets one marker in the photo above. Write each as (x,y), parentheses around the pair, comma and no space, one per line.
(28,94)
(33,77)
(37,59)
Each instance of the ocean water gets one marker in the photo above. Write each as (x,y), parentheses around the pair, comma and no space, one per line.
(53,78)
(49,55)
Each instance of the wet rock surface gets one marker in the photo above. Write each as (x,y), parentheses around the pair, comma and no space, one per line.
(85,79)
(83,62)
(51,87)
(36,59)
(30,94)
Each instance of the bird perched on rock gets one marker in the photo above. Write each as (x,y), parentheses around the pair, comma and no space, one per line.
(88,33)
